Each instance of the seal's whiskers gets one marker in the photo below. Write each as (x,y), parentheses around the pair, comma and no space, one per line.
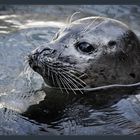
(76,78)
(26,67)
(68,85)
(72,16)
(90,24)
(73,81)
(68,73)
(52,77)
(63,83)
(58,82)
(52,71)
(86,30)
(70,81)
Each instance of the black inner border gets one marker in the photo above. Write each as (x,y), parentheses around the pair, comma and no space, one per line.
(72,2)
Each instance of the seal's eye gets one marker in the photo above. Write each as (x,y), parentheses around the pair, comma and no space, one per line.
(84,47)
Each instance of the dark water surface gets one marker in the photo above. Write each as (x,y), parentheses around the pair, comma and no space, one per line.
(27,110)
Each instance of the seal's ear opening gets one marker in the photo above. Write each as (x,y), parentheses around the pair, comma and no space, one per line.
(132,75)
(112,43)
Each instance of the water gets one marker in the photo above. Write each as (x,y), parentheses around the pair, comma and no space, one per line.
(25,109)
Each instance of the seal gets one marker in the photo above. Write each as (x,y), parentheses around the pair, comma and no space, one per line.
(87,53)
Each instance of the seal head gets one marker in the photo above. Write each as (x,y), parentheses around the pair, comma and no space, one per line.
(93,52)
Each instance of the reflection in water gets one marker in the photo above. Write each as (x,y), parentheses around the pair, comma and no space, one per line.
(85,115)
(26,108)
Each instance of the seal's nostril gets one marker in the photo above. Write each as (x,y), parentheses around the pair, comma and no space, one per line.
(32,58)
(35,68)
(35,56)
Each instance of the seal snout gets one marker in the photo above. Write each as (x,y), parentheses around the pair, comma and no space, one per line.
(36,58)
(32,60)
